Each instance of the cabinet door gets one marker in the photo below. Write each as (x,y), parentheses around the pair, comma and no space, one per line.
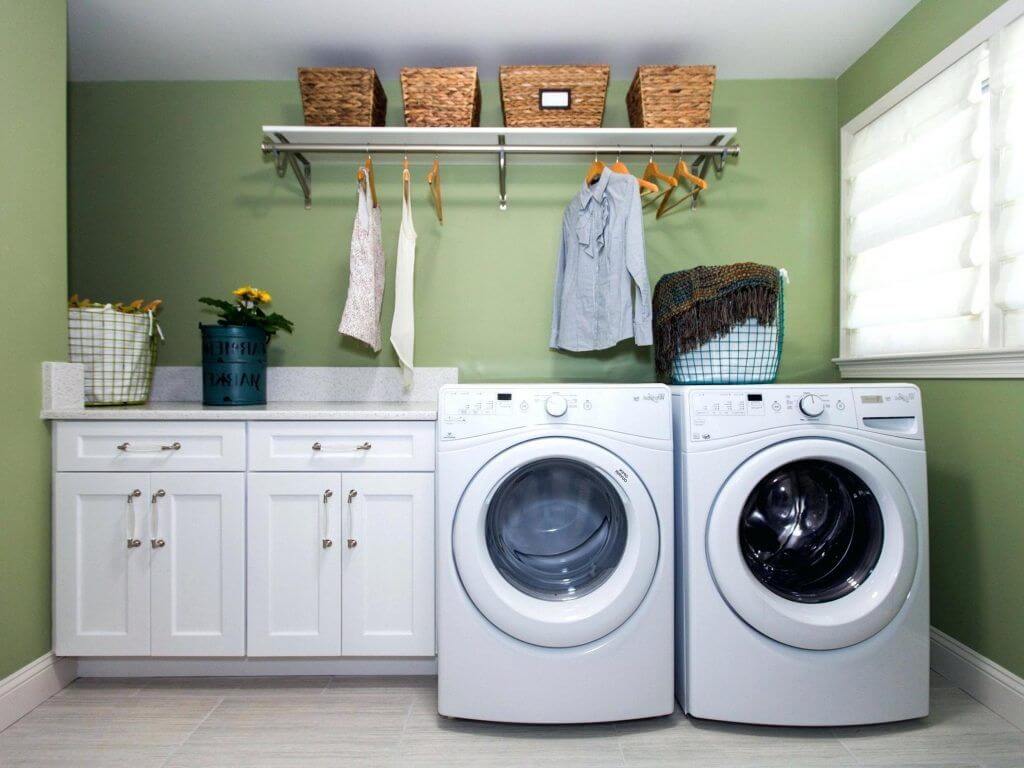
(101,564)
(388,579)
(294,571)
(197,536)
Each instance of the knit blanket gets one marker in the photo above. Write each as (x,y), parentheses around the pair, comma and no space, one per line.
(694,306)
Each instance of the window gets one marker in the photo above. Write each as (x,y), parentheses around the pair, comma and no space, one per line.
(933,216)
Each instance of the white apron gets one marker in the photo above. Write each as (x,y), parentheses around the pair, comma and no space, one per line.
(403,324)
(361,316)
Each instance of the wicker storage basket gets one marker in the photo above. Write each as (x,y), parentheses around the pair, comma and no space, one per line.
(441,97)
(577,95)
(342,96)
(671,97)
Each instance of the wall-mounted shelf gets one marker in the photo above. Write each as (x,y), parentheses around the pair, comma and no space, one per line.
(291,145)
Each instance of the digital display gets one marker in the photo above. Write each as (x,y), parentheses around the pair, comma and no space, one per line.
(504,395)
(754,398)
(871,398)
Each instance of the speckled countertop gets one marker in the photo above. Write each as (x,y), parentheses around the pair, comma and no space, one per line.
(274,411)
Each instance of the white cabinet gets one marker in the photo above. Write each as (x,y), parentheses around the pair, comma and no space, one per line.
(149,564)
(387,581)
(101,569)
(197,564)
(294,576)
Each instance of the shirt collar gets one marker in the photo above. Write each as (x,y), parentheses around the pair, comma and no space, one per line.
(596,190)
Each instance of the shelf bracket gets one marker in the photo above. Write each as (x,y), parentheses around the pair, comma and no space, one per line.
(300,167)
(502,167)
(702,171)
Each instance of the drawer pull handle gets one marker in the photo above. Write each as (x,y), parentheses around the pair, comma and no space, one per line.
(126,448)
(318,446)
(351,519)
(155,542)
(326,542)
(133,542)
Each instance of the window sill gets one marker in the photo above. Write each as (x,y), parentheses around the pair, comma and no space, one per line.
(969,364)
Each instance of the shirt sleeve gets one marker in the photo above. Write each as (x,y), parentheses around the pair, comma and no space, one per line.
(636,264)
(556,309)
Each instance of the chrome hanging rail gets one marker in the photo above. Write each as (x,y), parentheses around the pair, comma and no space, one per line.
(288,154)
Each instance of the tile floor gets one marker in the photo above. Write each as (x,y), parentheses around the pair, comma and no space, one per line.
(298,722)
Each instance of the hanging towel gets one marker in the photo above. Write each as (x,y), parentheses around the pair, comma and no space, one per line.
(403,323)
(361,316)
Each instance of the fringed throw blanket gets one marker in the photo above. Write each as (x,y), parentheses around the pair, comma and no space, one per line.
(694,306)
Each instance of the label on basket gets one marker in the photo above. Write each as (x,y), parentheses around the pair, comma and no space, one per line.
(555,98)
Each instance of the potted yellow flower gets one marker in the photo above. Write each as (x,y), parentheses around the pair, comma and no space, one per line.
(235,349)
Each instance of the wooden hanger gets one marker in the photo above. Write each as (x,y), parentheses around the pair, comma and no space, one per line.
(620,167)
(372,180)
(595,170)
(653,172)
(682,171)
(434,180)
(406,178)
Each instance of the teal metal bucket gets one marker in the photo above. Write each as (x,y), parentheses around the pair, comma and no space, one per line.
(234,365)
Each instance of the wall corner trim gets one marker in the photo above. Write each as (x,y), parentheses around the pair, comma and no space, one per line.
(994,686)
(27,688)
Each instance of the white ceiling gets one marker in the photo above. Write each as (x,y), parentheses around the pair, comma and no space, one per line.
(268,39)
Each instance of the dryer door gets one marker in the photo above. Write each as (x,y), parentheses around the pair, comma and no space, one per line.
(556,541)
(814,543)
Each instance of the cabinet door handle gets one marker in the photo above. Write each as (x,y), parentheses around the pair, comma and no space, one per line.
(133,542)
(126,447)
(318,446)
(325,521)
(156,542)
(351,519)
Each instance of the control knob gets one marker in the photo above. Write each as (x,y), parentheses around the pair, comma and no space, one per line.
(556,405)
(812,405)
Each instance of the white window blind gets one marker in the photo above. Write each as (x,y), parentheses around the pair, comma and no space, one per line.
(917,206)
(1007,93)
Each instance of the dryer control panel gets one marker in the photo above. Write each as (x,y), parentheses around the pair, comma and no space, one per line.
(474,410)
(714,413)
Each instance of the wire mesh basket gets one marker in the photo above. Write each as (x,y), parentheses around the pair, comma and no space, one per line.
(749,353)
(118,350)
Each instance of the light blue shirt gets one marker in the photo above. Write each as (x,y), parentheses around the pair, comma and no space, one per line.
(601,261)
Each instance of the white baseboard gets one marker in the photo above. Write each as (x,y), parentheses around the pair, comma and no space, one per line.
(30,686)
(994,686)
(207,667)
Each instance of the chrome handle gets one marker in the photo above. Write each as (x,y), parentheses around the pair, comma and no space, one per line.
(318,446)
(154,542)
(126,448)
(351,519)
(326,543)
(132,541)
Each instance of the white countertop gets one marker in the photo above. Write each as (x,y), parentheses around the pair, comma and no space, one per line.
(273,411)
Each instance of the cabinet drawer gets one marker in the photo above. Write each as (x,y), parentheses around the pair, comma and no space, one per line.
(129,446)
(341,446)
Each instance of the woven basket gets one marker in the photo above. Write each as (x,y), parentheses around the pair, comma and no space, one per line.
(671,97)
(342,96)
(441,97)
(525,89)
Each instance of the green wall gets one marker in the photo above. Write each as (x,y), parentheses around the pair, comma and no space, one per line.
(975,428)
(33,259)
(170,198)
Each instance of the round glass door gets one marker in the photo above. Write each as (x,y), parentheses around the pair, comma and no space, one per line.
(556,541)
(813,542)
(811,531)
(556,529)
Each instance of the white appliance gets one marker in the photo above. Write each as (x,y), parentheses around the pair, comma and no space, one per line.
(803,553)
(554,552)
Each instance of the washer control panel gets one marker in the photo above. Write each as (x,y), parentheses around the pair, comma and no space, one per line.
(473,410)
(716,413)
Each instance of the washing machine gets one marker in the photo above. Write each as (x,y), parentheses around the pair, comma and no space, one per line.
(803,552)
(554,554)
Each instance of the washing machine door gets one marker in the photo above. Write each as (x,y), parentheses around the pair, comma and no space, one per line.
(813,543)
(556,541)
